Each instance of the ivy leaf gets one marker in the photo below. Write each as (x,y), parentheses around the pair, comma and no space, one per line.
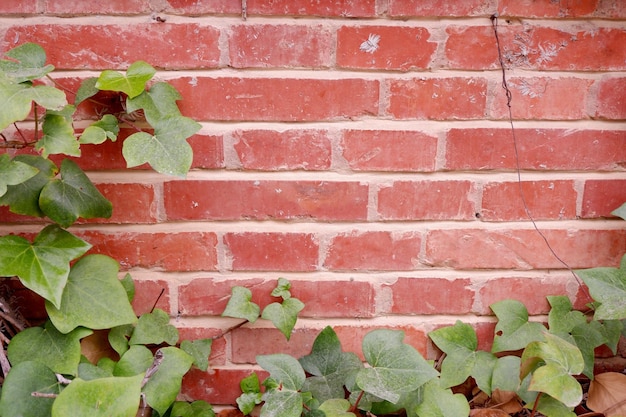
(240,305)
(514,331)
(129,287)
(329,366)
(28,63)
(336,407)
(87,89)
(608,287)
(59,352)
(14,172)
(562,319)
(164,385)
(195,409)
(505,375)
(157,103)
(58,134)
(199,350)
(396,367)
(284,315)
(620,211)
(93,297)
(283,369)
(251,394)
(167,151)
(100,131)
(282,396)
(23,198)
(282,289)
(282,403)
(153,329)
(131,84)
(119,336)
(134,361)
(104,397)
(441,402)
(17,389)
(44,265)
(72,196)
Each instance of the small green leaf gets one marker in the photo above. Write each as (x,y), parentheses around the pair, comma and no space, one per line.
(240,305)
(608,287)
(104,397)
(284,315)
(98,132)
(554,381)
(87,89)
(514,331)
(441,402)
(134,361)
(14,172)
(282,289)
(93,297)
(23,198)
(164,385)
(199,350)
(195,409)
(129,286)
(17,389)
(154,328)
(119,337)
(132,84)
(28,62)
(336,407)
(72,196)
(158,103)
(620,211)
(58,134)
(251,394)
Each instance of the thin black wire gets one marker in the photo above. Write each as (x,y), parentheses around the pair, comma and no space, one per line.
(509,99)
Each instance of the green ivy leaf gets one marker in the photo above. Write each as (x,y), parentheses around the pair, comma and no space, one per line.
(59,352)
(104,397)
(23,198)
(562,319)
(42,266)
(282,289)
(167,151)
(129,287)
(608,287)
(86,90)
(72,196)
(441,402)
(505,376)
(284,315)
(240,305)
(132,84)
(620,211)
(284,369)
(514,331)
(157,103)
(552,380)
(396,367)
(164,385)
(93,297)
(100,131)
(58,134)
(195,409)
(282,403)
(154,328)
(28,62)
(282,397)
(199,350)
(24,379)
(134,361)
(251,394)
(14,172)
(119,336)
(336,407)
(329,366)
(88,371)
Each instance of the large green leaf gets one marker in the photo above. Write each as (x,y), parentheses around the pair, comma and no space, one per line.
(23,198)
(199,350)
(153,329)
(157,103)
(329,366)
(104,397)
(167,151)
(58,134)
(27,63)
(608,287)
(73,195)
(164,385)
(132,84)
(17,389)
(93,297)
(240,305)
(396,367)
(284,315)
(284,369)
(282,403)
(441,402)
(58,351)
(282,396)
(14,172)
(44,265)
(336,407)
(98,132)
(514,331)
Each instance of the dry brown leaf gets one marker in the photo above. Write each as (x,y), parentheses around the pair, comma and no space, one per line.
(507,401)
(96,346)
(488,412)
(607,394)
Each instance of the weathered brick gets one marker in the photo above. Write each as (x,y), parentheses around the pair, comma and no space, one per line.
(132,203)
(547,8)
(151,294)
(327,8)
(263,200)
(426,200)
(269,150)
(610,100)
(431,296)
(269,341)
(208,151)
(216,385)
(276,99)
(454,98)
(280,46)
(251,251)
(111,7)
(546,200)
(374,251)
(165,45)
(398,48)
(538,149)
(441,8)
(18,7)
(523,248)
(601,197)
(389,150)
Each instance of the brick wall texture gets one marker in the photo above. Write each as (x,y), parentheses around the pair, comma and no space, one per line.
(379,177)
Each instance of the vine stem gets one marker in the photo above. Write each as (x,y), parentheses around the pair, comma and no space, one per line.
(356,403)
(534,411)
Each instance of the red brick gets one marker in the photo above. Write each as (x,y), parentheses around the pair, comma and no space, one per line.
(473,47)
(601,197)
(611,103)
(426,200)
(329,8)
(72,7)
(438,98)
(217,386)
(184,251)
(548,8)
(208,151)
(539,149)
(334,298)
(164,45)
(150,295)
(195,8)
(269,150)
(264,46)
(18,7)
(389,150)
(399,48)
(546,200)
(431,296)
(272,251)
(441,8)
(542,98)
(132,203)
(523,249)
(276,99)
(248,342)
(374,251)
(263,200)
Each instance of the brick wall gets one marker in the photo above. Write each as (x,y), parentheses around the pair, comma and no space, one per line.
(383,184)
